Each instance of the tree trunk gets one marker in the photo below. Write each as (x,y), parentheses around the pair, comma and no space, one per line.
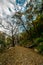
(13,44)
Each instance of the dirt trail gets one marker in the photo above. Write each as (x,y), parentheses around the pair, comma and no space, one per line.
(21,56)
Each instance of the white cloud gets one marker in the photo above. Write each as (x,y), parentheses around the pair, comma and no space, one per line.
(6,4)
(8,8)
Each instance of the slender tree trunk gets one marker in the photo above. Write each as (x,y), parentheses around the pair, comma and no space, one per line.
(12,38)
(13,44)
(31,36)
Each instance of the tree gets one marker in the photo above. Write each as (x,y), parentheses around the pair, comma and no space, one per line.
(30,14)
(11,27)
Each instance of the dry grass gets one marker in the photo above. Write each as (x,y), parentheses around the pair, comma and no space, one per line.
(20,56)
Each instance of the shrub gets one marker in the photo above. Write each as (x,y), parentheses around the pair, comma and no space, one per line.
(40,48)
(39,44)
(2,45)
(38,40)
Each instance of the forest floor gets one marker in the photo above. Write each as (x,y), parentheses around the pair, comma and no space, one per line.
(20,56)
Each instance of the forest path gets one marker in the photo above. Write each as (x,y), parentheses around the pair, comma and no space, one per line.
(20,56)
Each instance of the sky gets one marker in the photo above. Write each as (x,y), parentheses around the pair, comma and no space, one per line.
(9,7)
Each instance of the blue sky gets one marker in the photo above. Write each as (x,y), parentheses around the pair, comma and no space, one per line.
(9,7)
(20,2)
